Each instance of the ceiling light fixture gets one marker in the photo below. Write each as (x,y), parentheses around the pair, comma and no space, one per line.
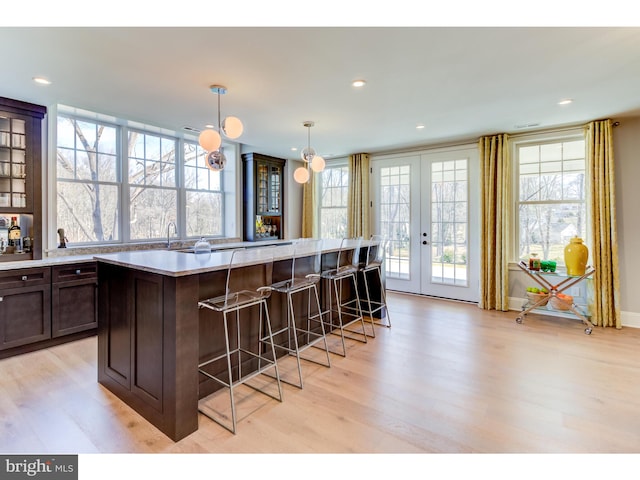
(41,80)
(312,161)
(358,83)
(566,101)
(211,140)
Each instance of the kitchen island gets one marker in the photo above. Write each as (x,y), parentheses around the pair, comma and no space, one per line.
(151,333)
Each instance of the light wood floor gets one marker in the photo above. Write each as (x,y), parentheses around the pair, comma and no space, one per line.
(446,378)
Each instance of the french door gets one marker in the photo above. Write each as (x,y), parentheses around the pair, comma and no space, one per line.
(428,205)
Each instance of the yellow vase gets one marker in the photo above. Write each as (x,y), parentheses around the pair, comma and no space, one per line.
(576,255)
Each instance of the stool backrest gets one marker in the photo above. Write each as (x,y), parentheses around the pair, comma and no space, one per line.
(349,253)
(307,259)
(376,250)
(250,270)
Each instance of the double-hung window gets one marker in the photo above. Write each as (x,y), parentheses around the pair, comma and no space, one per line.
(551,193)
(118,184)
(334,194)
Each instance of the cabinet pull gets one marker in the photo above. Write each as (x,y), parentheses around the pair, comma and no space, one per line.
(24,278)
(1,299)
(77,272)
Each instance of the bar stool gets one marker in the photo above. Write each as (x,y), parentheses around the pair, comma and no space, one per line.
(347,307)
(302,333)
(247,285)
(371,271)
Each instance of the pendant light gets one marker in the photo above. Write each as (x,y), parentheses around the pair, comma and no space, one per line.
(312,161)
(211,140)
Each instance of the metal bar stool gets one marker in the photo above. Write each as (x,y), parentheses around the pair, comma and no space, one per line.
(247,285)
(371,271)
(347,307)
(302,333)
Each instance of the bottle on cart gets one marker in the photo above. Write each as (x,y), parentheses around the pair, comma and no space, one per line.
(15,235)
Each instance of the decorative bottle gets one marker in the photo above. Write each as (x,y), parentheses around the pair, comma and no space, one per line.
(576,255)
(15,235)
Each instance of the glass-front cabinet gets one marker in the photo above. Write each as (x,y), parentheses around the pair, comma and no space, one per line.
(20,180)
(263,197)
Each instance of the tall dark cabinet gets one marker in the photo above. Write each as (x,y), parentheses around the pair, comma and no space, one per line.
(20,174)
(263,208)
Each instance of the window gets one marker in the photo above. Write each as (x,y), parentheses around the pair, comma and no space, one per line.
(551,193)
(119,184)
(153,196)
(87,186)
(204,194)
(334,191)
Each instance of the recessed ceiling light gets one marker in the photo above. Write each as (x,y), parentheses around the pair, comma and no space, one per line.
(41,80)
(419,126)
(358,83)
(294,149)
(566,101)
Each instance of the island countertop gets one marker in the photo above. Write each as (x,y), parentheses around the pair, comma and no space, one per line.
(175,263)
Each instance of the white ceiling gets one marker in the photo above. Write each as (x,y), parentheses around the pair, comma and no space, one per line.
(460,82)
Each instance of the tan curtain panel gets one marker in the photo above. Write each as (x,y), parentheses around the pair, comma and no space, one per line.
(495,174)
(358,201)
(309,208)
(605,302)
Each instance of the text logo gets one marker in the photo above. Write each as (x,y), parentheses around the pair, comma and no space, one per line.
(55,467)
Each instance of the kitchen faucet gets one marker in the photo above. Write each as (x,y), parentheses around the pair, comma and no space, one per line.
(175,232)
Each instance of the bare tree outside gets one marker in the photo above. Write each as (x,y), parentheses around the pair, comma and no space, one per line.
(89,184)
(551,197)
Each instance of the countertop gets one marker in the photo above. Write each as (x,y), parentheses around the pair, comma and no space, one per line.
(179,263)
(45,262)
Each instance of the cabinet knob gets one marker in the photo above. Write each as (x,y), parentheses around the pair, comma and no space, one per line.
(24,278)
(77,272)
(1,299)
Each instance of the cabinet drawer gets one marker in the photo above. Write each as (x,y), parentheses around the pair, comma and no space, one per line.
(75,271)
(24,277)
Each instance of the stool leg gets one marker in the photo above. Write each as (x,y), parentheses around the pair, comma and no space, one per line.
(324,336)
(366,290)
(384,300)
(291,324)
(358,309)
(273,349)
(229,371)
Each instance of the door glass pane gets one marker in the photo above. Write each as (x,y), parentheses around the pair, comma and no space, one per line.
(395,207)
(449,222)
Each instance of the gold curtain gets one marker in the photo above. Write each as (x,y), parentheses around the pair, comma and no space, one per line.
(605,308)
(309,208)
(358,201)
(495,174)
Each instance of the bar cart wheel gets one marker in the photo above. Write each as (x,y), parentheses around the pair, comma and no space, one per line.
(587,330)
(519,319)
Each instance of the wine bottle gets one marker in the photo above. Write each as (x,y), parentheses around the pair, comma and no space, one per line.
(15,234)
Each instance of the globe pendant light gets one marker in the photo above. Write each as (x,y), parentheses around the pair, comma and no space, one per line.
(311,160)
(211,140)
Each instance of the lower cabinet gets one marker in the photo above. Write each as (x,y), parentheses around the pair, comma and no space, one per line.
(74,299)
(25,307)
(44,306)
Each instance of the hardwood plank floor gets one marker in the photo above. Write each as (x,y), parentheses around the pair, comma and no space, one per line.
(446,378)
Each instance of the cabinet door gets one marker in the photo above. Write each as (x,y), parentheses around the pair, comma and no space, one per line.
(25,315)
(275,189)
(262,188)
(73,307)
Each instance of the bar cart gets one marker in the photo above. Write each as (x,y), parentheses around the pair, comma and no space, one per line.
(544,279)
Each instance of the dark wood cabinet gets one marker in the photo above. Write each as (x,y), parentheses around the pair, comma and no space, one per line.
(45,306)
(25,307)
(20,171)
(263,197)
(74,298)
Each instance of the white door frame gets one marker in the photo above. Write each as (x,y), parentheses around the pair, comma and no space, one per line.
(418,278)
